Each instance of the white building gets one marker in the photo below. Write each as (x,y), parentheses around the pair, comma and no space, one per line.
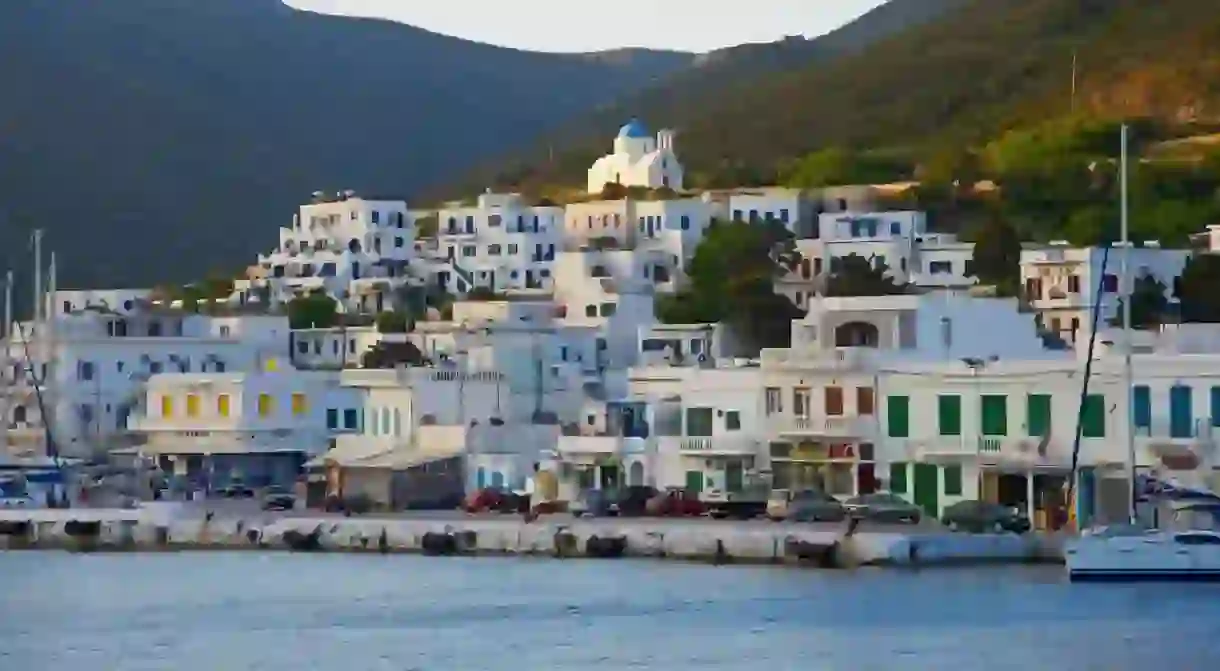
(93,366)
(638,159)
(1061,283)
(356,249)
(500,243)
(793,208)
(257,428)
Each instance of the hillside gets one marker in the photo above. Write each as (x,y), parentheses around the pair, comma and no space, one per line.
(982,67)
(687,94)
(161,139)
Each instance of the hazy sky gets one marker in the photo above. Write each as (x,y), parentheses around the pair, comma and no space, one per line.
(589,25)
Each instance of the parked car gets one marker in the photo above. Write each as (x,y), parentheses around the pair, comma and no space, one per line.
(675,502)
(16,501)
(814,505)
(884,507)
(278,498)
(494,499)
(983,517)
(595,503)
(633,500)
(236,491)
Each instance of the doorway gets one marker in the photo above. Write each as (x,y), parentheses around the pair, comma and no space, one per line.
(927,488)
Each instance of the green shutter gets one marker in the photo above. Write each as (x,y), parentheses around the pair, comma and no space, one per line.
(898,476)
(898,416)
(995,415)
(1038,410)
(949,412)
(1093,416)
(953,480)
(694,481)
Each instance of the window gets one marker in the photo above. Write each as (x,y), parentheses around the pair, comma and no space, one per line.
(898,417)
(222,405)
(940,267)
(1073,283)
(351,419)
(300,404)
(895,228)
(1109,283)
(608,309)
(493,220)
(736,215)
(493,250)
(1215,406)
(1093,416)
(468,250)
(1141,406)
(732,420)
(949,414)
(84,370)
(994,415)
(590,310)
(167,406)
(266,405)
(192,405)
(774,399)
(302,347)
(898,470)
(864,401)
(685,222)
(699,422)
(398,241)
(1038,411)
(512,248)
(834,401)
(376,216)
(953,480)
(783,215)
(332,418)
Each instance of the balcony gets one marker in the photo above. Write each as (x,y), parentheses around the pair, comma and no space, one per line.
(714,446)
(1163,440)
(830,426)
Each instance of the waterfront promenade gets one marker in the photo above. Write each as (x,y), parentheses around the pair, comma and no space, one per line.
(187,527)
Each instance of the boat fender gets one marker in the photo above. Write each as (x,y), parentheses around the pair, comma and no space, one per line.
(565,543)
(606,548)
(252,535)
(80,529)
(14,528)
(438,544)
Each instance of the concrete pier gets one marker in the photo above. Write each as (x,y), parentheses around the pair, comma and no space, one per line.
(704,541)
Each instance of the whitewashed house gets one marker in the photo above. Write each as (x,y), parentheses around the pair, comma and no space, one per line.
(1062,283)
(356,249)
(499,243)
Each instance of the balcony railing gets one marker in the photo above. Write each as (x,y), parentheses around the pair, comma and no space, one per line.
(723,445)
(845,426)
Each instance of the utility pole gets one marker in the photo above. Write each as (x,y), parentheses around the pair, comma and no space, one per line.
(5,361)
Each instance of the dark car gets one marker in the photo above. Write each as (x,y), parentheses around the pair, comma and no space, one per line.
(278,498)
(633,500)
(812,505)
(984,517)
(236,491)
(884,507)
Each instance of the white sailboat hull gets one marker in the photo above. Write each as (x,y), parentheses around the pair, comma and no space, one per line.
(1191,556)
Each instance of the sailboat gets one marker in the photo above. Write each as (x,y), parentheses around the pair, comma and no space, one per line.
(1185,545)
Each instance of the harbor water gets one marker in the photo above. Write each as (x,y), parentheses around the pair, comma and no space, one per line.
(278,611)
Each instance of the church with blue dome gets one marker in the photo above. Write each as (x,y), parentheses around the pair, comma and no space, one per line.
(639,159)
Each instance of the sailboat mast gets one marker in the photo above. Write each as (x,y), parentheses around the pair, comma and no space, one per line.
(1128,291)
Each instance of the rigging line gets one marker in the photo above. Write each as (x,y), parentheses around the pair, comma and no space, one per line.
(1088,370)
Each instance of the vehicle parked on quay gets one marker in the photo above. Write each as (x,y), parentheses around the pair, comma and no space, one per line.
(676,502)
(985,517)
(883,507)
(278,498)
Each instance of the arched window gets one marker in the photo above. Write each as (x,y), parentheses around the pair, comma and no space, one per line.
(857,334)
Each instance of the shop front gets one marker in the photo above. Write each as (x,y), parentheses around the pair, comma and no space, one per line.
(838,468)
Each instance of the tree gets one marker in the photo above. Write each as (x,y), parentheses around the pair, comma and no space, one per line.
(613,191)
(835,166)
(732,277)
(854,275)
(314,311)
(393,321)
(1148,303)
(997,255)
(1196,289)
(427,226)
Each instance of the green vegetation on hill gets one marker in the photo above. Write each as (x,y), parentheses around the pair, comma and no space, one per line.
(982,68)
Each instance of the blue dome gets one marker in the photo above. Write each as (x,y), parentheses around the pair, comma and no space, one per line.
(633,129)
